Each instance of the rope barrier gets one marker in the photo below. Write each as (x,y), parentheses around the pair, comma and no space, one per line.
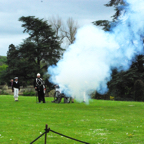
(38,137)
(68,137)
(47,131)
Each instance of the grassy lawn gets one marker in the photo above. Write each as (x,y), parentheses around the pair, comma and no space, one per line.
(100,122)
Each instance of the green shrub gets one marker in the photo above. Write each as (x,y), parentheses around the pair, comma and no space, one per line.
(139,90)
(100,96)
(3,92)
(28,93)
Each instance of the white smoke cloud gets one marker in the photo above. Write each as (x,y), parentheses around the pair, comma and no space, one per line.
(86,65)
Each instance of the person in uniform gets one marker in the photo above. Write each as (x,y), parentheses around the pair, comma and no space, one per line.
(39,87)
(16,88)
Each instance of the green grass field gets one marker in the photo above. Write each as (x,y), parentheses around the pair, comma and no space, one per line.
(100,122)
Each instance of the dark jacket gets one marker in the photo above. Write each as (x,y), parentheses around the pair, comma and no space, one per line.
(16,85)
(38,82)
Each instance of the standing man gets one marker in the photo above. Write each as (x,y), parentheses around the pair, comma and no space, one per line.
(39,87)
(16,88)
(11,83)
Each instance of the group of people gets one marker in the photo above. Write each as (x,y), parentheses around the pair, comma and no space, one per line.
(38,85)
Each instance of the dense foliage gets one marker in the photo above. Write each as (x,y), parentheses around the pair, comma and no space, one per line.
(35,53)
(107,24)
(3,60)
(3,66)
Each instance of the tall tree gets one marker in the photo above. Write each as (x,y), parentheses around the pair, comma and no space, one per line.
(46,44)
(11,60)
(122,83)
(36,52)
(105,23)
(18,65)
(3,60)
(65,31)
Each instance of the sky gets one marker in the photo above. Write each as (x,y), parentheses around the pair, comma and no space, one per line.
(82,11)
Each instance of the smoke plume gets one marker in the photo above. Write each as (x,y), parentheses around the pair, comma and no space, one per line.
(87,64)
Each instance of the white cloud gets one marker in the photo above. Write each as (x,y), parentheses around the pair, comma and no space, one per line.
(83,11)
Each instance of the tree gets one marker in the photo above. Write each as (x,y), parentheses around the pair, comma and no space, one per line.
(107,24)
(47,46)
(139,90)
(3,60)
(123,84)
(57,25)
(64,31)
(18,65)
(72,27)
(11,61)
(36,53)
(2,72)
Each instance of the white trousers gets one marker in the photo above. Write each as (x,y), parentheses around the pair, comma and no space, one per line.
(16,92)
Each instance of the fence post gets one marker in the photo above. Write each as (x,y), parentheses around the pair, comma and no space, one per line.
(46,133)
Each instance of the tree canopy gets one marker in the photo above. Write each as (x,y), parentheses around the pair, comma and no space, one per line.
(3,60)
(105,23)
(36,52)
(45,43)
